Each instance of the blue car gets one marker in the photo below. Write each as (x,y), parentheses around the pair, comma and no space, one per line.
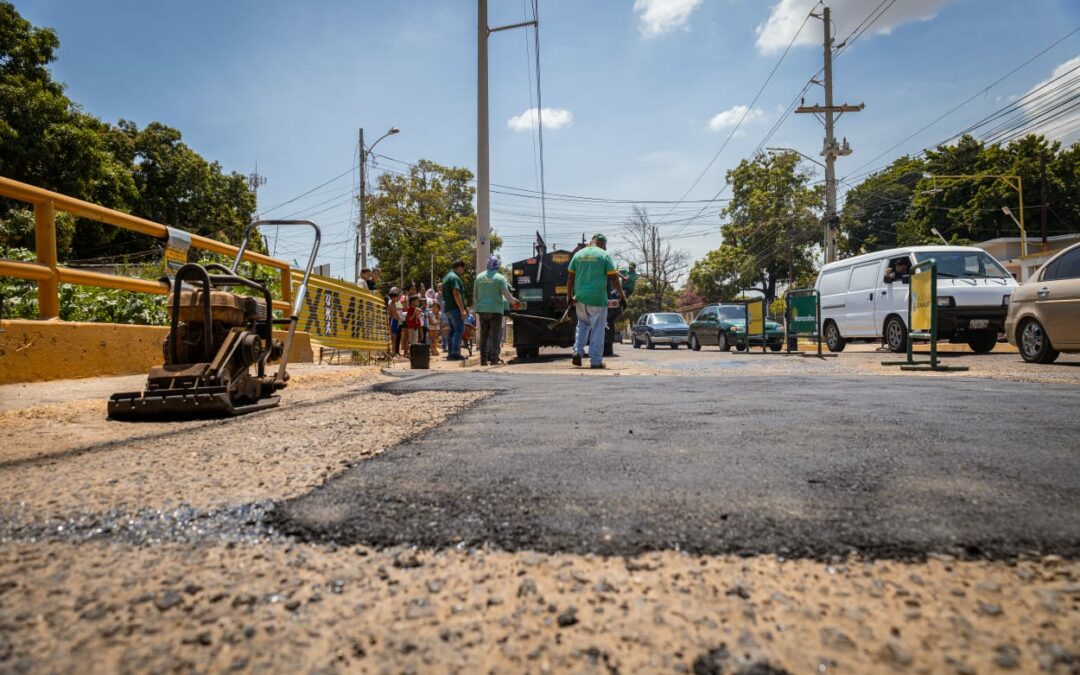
(660,328)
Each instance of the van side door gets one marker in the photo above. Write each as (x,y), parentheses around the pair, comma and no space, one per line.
(832,287)
(705,326)
(892,296)
(860,299)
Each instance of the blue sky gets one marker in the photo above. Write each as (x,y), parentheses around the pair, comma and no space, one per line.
(288,84)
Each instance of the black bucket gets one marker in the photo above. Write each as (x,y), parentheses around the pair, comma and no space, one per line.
(419,356)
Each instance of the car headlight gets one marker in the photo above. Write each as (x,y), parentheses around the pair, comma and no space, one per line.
(945,301)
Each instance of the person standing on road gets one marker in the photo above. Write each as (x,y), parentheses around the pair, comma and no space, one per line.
(490,289)
(454,296)
(591,270)
(394,315)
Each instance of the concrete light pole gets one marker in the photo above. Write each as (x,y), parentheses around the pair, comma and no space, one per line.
(360,260)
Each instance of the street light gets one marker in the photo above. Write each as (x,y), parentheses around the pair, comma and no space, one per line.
(938,234)
(1014,182)
(360,260)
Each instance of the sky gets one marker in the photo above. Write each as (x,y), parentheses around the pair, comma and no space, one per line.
(641,98)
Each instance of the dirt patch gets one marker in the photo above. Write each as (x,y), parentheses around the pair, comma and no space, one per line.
(104,465)
(289,608)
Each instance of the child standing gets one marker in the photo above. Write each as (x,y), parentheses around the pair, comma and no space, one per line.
(413,321)
(434,328)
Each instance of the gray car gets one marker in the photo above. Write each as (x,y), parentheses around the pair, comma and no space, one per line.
(660,328)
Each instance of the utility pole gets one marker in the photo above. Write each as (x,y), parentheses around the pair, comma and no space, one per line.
(483,166)
(1042,197)
(361,243)
(831,149)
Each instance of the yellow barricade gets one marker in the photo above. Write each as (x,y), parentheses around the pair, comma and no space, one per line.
(342,315)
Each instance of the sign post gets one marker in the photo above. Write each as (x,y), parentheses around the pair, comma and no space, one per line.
(922,319)
(802,316)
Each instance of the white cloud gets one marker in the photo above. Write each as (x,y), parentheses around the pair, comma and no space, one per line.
(1066,127)
(731,117)
(552,118)
(663,16)
(786,16)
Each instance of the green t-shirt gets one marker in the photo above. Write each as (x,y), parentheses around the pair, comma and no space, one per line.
(591,266)
(449,283)
(630,281)
(488,292)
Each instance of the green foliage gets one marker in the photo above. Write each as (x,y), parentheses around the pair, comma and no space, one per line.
(47,141)
(643,300)
(900,205)
(772,228)
(426,214)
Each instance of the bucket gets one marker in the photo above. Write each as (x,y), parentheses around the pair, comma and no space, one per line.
(419,356)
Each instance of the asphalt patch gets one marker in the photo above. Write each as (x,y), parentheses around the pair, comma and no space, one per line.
(799,467)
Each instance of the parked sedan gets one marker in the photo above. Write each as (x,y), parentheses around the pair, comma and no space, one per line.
(1044,311)
(660,328)
(725,327)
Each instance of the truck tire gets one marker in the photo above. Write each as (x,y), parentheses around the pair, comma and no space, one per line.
(895,335)
(982,342)
(609,349)
(833,340)
(522,353)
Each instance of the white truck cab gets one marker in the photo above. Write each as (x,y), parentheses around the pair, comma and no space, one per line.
(866,297)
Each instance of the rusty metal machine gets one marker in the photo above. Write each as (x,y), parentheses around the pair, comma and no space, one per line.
(216,337)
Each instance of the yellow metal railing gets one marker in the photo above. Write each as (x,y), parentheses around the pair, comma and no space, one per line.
(49,274)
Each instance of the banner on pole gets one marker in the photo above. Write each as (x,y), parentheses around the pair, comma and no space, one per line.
(803,317)
(755,317)
(343,315)
(922,298)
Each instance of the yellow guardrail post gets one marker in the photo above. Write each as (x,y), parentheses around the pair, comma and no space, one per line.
(45,243)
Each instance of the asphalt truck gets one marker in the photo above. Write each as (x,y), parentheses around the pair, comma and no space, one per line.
(543,319)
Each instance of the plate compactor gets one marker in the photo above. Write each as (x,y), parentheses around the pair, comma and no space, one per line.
(215,339)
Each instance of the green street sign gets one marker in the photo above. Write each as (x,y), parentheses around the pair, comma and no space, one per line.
(803,318)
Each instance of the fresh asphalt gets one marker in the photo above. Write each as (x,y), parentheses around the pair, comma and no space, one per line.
(793,466)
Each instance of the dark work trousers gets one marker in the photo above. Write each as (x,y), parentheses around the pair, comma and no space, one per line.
(491,333)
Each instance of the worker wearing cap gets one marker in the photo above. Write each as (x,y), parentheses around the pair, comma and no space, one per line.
(590,272)
(629,279)
(490,289)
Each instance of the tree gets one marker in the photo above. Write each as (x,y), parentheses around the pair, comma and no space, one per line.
(422,218)
(903,203)
(770,235)
(47,141)
(661,265)
(872,209)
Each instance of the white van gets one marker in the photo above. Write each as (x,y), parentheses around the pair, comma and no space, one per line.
(866,297)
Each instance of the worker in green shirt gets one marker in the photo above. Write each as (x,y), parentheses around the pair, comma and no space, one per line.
(590,272)
(490,291)
(454,293)
(629,278)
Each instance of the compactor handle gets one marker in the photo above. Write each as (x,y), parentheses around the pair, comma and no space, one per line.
(298,301)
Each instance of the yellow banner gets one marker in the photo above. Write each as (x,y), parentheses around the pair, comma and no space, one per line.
(921,299)
(755,314)
(342,315)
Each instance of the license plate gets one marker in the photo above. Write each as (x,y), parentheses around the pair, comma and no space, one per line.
(979,323)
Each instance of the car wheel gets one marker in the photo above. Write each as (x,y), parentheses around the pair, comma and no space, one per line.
(895,335)
(740,347)
(982,342)
(776,346)
(694,344)
(722,342)
(674,345)
(833,341)
(637,345)
(1034,343)
(649,343)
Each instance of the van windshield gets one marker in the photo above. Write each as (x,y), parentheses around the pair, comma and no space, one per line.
(964,264)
